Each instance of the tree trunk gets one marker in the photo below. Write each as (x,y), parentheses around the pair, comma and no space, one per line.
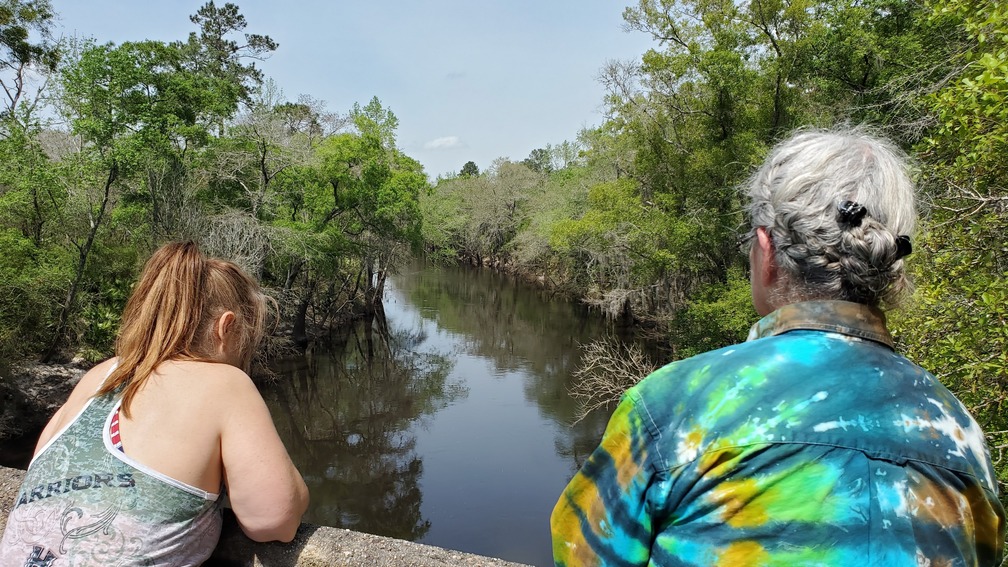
(379,291)
(84,253)
(299,331)
(293,271)
(369,291)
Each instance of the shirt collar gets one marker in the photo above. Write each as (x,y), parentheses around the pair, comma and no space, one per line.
(844,317)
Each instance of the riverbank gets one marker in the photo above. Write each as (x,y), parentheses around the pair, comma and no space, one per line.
(616,305)
(31,394)
(312,546)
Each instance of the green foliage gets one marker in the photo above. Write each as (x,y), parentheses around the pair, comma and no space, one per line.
(539,161)
(137,97)
(110,278)
(32,270)
(957,322)
(214,54)
(26,43)
(31,288)
(477,218)
(972,134)
(375,123)
(319,212)
(469,170)
(19,19)
(611,229)
(720,314)
(374,186)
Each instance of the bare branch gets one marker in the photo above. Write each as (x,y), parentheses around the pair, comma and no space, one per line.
(608,368)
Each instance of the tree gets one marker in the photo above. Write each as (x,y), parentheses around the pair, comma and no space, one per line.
(32,267)
(494,207)
(565,154)
(724,81)
(469,170)
(346,217)
(263,144)
(212,53)
(319,205)
(539,160)
(309,117)
(136,110)
(386,185)
(99,95)
(26,45)
(375,123)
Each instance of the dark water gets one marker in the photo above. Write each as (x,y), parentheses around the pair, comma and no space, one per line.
(446,422)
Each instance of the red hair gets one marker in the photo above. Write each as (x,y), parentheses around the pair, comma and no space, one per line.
(172,314)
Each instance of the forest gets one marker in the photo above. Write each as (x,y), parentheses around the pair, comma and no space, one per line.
(110,150)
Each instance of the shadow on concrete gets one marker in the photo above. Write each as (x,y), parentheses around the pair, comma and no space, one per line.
(235,549)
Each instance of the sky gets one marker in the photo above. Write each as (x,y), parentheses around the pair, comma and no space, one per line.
(467,79)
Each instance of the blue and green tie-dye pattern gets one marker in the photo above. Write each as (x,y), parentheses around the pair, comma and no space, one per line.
(813,443)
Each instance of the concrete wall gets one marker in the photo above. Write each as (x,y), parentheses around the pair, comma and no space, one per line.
(313,545)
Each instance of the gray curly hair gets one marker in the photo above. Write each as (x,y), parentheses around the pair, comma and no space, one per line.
(795,194)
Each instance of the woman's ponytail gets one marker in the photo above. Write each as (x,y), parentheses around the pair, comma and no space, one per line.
(160,318)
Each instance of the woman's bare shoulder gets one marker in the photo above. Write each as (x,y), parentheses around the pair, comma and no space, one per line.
(93,379)
(185,390)
(218,391)
(208,377)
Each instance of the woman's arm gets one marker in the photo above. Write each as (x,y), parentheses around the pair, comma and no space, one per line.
(266,491)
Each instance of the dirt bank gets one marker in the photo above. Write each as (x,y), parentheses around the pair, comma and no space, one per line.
(31,393)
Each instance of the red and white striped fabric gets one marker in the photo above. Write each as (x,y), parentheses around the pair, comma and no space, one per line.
(114,432)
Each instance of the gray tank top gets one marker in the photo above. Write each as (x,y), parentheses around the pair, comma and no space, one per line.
(83,502)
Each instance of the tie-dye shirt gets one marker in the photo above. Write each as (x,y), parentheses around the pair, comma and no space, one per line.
(813,443)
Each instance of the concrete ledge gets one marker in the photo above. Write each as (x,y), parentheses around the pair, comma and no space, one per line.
(313,545)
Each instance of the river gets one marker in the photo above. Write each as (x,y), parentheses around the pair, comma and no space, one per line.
(448,421)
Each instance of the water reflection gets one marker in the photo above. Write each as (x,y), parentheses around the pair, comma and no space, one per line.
(346,415)
(519,329)
(447,421)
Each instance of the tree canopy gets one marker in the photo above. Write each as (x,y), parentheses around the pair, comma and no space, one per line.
(184,140)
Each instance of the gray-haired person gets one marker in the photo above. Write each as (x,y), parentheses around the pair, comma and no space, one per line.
(814,442)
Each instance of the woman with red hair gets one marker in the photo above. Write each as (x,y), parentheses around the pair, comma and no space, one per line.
(131,469)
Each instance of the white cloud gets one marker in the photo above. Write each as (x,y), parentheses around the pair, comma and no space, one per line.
(444,143)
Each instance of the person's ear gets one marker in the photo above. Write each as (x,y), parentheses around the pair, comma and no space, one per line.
(223,328)
(767,264)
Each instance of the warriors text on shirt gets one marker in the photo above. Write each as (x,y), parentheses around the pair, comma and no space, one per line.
(81,482)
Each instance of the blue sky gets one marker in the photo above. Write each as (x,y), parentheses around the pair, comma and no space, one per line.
(468,80)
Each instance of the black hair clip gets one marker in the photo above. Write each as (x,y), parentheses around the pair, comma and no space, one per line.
(851,213)
(903,246)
